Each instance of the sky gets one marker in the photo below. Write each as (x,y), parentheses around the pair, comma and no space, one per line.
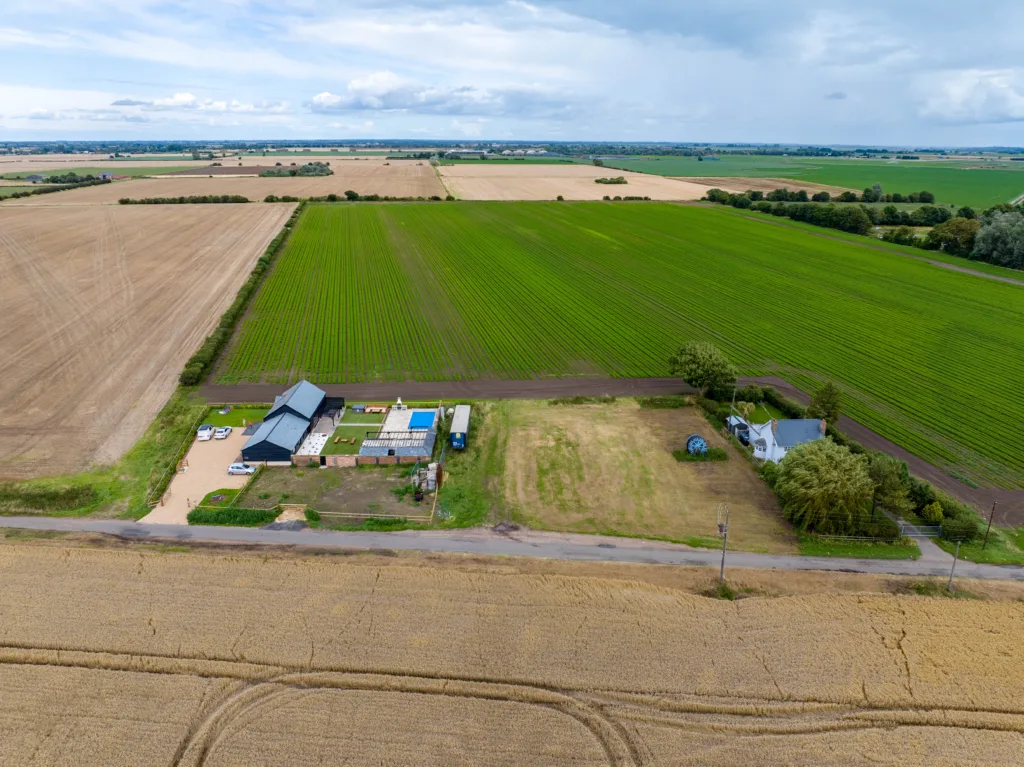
(911,73)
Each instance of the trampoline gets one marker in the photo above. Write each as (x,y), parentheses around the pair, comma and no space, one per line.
(422,420)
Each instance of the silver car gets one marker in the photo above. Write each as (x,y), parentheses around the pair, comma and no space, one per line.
(222,433)
(241,468)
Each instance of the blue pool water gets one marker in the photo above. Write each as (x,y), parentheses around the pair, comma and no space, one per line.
(422,420)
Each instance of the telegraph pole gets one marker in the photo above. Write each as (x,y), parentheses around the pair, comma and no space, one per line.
(989,528)
(949,586)
(723,530)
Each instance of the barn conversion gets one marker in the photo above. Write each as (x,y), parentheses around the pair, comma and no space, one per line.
(285,425)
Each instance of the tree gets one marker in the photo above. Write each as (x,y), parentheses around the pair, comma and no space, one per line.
(890,479)
(1001,239)
(926,197)
(821,197)
(955,236)
(351,195)
(703,366)
(847,197)
(745,409)
(966,212)
(826,403)
(598,163)
(824,488)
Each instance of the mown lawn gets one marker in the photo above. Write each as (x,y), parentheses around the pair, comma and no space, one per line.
(813,546)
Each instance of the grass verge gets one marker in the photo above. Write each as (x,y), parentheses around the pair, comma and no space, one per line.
(232,517)
(1005,547)
(813,546)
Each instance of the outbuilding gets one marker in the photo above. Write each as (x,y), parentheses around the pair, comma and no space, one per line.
(276,439)
(460,427)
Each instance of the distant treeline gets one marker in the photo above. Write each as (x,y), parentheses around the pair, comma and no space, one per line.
(996,236)
(615,180)
(351,196)
(61,186)
(309,169)
(196,199)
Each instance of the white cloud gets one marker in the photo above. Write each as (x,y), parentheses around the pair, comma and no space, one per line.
(975,96)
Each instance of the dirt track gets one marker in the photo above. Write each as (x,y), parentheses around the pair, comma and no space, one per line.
(101,308)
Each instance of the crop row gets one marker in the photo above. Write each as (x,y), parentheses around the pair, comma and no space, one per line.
(929,358)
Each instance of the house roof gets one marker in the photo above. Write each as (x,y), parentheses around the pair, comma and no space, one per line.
(285,431)
(796,431)
(303,398)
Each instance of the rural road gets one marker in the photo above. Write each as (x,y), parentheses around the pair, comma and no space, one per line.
(522,543)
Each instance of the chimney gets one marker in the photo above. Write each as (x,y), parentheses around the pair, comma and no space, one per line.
(824,427)
(775,426)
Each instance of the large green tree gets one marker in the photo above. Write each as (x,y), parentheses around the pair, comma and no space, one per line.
(824,488)
(955,236)
(891,482)
(703,366)
(826,403)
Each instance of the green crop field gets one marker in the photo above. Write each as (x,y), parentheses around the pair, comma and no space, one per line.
(930,358)
(976,183)
(95,170)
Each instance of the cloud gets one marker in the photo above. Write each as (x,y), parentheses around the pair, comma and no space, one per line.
(835,96)
(975,96)
(188,102)
(386,92)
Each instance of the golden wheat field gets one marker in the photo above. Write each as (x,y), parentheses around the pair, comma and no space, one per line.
(127,657)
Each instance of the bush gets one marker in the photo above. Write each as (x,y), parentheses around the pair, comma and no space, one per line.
(963,529)
(312,515)
(712,454)
(669,401)
(47,499)
(232,517)
(932,513)
(770,473)
(580,400)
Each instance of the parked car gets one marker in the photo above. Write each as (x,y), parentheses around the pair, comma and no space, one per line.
(241,468)
(222,433)
(204,433)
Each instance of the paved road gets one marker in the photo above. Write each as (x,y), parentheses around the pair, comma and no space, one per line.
(518,544)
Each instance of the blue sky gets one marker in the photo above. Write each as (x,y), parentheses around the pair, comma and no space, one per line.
(904,73)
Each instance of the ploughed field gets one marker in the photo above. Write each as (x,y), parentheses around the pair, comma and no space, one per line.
(128,657)
(927,357)
(101,307)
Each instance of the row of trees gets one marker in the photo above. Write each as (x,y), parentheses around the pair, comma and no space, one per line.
(823,486)
(871,194)
(208,199)
(309,169)
(995,237)
(79,181)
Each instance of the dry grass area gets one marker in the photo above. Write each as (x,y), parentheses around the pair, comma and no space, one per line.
(405,179)
(609,469)
(179,659)
(504,181)
(101,308)
(763,184)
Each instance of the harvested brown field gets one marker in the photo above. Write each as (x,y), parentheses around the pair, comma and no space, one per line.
(102,306)
(176,659)
(538,181)
(763,184)
(609,469)
(408,179)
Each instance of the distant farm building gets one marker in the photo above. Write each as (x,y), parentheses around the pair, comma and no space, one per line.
(35,178)
(772,440)
(106,176)
(466,154)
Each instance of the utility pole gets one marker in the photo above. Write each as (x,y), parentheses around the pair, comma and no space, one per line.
(723,530)
(949,586)
(989,528)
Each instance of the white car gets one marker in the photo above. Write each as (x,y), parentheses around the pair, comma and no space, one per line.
(241,468)
(204,433)
(222,433)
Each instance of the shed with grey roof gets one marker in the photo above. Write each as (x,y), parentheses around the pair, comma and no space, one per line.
(277,439)
(303,400)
